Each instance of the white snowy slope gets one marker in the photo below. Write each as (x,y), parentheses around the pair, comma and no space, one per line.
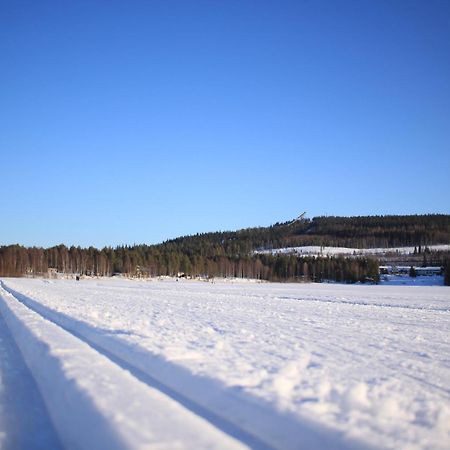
(315,250)
(291,365)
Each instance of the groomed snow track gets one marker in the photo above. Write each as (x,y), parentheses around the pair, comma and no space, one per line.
(101,393)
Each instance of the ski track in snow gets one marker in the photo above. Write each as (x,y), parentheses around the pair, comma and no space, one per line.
(24,421)
(262,365)
(95,404)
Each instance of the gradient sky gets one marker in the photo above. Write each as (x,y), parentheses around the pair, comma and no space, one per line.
(138,121)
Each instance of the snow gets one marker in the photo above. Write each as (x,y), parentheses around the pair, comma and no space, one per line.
(406,280)
(315,250)
(24,421)
(93,402)
(309,366)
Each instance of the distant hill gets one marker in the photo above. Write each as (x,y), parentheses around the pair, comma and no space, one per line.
(235,253)
(358,232)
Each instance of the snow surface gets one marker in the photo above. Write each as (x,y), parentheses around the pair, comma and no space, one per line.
(93,402)
(24,421)
(315,250)
(310,366)
(406,280)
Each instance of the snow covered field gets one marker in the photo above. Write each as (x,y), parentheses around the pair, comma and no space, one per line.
(315,250)
(406,280)
(164,364)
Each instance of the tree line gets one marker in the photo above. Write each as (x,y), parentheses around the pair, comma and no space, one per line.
(234,253)
(151,261)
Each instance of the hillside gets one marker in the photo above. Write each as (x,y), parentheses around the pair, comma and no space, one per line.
(358,232)
(235,253)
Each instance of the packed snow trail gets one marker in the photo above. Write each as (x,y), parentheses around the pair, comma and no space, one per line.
(253,423)
(24,421)
(94,404)
(351,364)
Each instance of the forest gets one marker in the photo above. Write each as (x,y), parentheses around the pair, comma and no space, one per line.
(232,254)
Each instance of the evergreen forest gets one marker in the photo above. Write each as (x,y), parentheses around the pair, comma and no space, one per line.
(235,253)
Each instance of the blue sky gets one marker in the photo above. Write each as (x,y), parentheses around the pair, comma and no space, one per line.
(135,122)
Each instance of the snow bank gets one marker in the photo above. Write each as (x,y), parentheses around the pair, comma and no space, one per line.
(24,421)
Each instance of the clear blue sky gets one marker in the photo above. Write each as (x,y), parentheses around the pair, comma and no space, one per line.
(138,121)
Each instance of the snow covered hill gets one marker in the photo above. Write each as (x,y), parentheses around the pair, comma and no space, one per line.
(164,364)
(315,250)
